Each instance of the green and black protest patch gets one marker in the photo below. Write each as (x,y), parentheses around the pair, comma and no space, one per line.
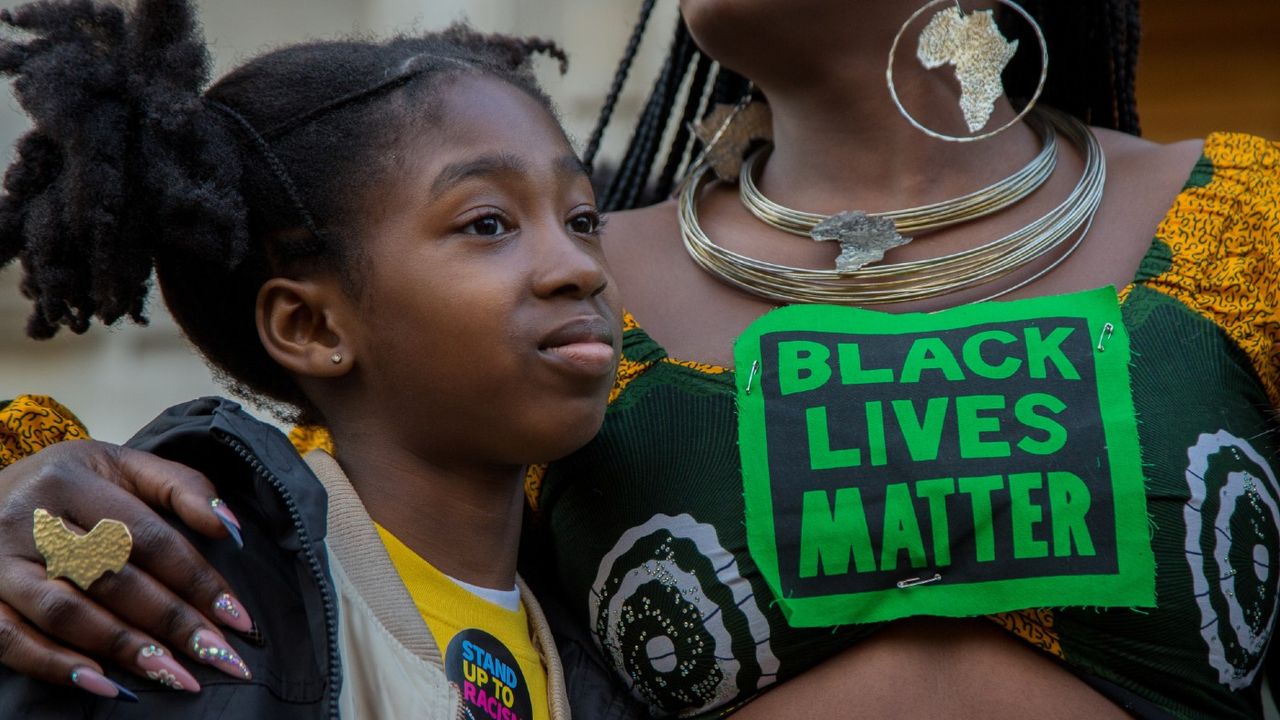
(976,460)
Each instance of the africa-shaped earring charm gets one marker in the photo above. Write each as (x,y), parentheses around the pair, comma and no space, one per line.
(972,43)
(728,131)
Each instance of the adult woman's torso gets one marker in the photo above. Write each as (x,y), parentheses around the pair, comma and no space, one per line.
(647,520)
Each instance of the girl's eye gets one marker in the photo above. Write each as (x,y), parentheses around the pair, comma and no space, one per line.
(488,225)
(587,223)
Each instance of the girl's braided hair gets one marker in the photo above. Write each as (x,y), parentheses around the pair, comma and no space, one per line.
(1093,53)
(132,165)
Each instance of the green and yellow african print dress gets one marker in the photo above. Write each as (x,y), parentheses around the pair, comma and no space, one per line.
(647,522)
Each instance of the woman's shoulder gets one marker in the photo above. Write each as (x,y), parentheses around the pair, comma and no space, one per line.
(641,226)
(643,249)
(1132,157)
(1194,162)
(1229,196)
(1217,249)
(1225,190)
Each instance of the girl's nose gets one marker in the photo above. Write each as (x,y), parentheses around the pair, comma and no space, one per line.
(571,266)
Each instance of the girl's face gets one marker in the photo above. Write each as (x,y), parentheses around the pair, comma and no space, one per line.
(486,326)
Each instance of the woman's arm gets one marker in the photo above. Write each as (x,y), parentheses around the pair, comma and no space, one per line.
(164,595)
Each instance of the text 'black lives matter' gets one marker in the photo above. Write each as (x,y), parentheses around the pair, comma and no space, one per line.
(971,461)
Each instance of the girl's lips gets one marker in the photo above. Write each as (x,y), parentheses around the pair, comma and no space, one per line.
(591,357)
(583,345)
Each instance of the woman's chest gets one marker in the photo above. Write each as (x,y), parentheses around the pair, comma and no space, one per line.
(658,559)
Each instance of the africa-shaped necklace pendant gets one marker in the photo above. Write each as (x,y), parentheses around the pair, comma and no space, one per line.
(863,238)
(974,45)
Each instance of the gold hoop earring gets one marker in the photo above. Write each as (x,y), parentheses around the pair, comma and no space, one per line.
(974,45)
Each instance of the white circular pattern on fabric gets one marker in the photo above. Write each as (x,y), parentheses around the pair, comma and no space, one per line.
(669,574)
(1238,488)
(618,589)
(662,653)
(1261,563)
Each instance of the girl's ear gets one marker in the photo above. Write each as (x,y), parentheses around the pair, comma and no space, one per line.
(299,327)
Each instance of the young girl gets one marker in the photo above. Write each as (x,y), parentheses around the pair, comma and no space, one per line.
(392,239)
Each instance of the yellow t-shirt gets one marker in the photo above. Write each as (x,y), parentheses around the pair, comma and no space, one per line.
(488,652)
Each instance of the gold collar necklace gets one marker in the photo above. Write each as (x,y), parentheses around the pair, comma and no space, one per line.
(998,196)
(918,279)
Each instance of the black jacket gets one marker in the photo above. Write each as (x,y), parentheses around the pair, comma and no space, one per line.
(281,576)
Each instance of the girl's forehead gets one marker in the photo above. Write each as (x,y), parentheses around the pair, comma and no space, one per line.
(478,115)
(469,94)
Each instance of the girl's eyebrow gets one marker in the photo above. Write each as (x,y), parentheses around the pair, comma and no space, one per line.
(483,166)
(499,164)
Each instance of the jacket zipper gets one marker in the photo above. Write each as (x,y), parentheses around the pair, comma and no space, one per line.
(330,614)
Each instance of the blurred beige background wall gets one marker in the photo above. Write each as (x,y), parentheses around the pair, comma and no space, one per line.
(1195,76)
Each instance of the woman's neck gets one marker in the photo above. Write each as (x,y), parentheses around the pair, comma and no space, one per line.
(462,518)
(839,141)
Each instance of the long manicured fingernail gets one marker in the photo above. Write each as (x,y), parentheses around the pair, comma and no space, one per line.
(228,520)
(92,681)
(229,611)
(158,665)
(212,649)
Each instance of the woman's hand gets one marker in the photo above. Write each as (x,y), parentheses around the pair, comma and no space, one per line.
(163,597)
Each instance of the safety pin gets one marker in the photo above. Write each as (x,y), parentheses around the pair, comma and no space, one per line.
(1105,335)
(755,368)
(916,582)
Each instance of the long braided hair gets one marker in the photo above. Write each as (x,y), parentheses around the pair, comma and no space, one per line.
(1093,46)
(132,166)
